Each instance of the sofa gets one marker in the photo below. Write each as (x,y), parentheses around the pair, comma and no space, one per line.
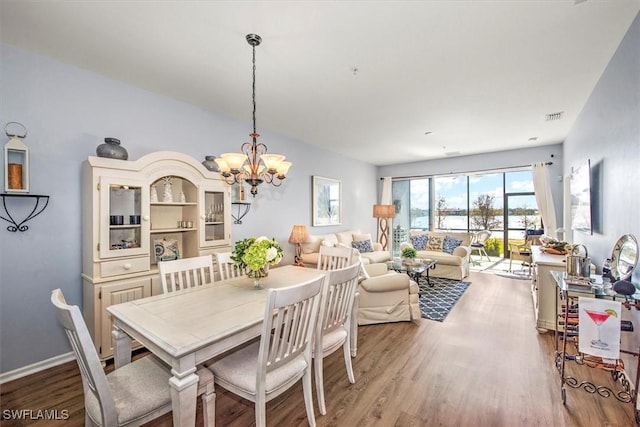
(370,251)
(386,296)
(452,250)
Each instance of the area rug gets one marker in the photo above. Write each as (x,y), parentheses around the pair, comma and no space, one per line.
(437,301)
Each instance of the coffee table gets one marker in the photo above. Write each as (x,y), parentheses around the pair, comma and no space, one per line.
(417,271)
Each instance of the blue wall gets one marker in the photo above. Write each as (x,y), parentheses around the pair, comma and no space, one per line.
(607,133)
(68,112)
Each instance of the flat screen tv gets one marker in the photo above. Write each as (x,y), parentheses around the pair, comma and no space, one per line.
(580,205)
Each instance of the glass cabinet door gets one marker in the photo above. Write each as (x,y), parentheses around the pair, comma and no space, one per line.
(215,229)
(124,218)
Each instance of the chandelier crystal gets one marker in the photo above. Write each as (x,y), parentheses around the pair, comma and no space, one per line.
(253,165)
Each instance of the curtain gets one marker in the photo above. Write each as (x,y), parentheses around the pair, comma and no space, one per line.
(544,198)
(385,199)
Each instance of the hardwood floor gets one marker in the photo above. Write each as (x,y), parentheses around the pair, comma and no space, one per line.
(485,365)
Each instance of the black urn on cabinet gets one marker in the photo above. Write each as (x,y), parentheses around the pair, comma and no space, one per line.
(112,149)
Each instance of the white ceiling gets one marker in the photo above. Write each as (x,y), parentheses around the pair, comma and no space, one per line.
(480,75)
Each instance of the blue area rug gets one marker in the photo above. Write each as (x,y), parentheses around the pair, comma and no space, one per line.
(437,301)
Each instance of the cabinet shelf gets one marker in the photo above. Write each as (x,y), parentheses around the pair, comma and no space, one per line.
(178,204)
(123,227)
(172,230)
(214,223)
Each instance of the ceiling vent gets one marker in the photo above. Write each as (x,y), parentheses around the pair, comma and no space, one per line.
(554,116)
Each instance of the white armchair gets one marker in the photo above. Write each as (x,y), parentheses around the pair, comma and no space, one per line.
(386,296)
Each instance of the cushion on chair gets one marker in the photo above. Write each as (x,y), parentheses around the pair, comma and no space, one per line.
(419,242)
(333,338)
(144,381)
(449,244)
(239,370)
(362,246)
(434,243)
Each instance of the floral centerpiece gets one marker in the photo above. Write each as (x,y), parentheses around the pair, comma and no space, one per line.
(255,254)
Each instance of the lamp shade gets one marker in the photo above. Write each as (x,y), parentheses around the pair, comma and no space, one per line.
(299,234)
(384,211)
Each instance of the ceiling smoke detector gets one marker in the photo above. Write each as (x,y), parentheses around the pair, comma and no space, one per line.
(554,116)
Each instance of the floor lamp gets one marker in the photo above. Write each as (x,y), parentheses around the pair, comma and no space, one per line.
(299,234)
(383,213)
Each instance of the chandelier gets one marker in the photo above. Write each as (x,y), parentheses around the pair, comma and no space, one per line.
(253,165)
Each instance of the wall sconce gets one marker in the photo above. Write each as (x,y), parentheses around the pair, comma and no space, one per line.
(16,161)
(299,234)
(383,213)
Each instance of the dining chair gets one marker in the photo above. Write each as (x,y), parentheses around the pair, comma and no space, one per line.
(334,257)
(226,266)
(333,329)
(265,369)
(478,243)
(131,395)
(185,272)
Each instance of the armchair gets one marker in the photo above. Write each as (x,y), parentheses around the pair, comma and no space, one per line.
(386,296)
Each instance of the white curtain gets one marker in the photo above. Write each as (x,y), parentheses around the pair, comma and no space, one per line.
(386,191)
(544,198)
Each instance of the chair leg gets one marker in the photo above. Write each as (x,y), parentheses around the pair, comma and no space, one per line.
(347,361)
(308,397)
(317,366)
(261,410)
(510,262)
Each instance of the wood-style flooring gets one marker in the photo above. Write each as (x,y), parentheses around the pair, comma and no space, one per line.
(485,365)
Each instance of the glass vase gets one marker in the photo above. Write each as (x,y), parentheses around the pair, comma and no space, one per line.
(257,275)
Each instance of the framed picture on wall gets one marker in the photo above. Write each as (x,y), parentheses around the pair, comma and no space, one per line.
(326,197)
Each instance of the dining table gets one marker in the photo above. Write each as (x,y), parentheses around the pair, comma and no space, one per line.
(191,326)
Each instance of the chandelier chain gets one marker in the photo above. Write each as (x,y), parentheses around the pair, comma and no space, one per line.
(253,89)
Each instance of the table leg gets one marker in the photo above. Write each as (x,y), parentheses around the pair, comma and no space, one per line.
(184,392)
(121,348)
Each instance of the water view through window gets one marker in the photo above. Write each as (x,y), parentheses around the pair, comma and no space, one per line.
(501,202)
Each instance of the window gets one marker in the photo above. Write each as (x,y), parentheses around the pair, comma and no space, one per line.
(469,203)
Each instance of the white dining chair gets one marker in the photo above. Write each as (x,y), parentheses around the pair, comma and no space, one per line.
(265,369)
(185,272)
(334,257)
(333,329)
(226,266)
(131,395)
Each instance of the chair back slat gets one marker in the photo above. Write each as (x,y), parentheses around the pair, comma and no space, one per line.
(226,266)
(185,273)
(94,380)
(290,319)
(338,302)
(334,258)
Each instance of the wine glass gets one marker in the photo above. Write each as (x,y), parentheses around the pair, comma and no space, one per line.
(598,317)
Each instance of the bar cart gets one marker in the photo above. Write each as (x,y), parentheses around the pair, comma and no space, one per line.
(566,341)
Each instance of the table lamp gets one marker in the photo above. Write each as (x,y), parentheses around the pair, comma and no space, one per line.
(299,234)
(383,213)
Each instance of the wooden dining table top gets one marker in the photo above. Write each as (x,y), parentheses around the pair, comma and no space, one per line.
(188,321)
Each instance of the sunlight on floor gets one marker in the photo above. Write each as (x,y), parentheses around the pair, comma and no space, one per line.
(497,264)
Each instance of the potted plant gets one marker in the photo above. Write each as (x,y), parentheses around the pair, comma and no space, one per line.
(408,255)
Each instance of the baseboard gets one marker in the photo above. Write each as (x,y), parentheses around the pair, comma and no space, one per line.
(36,367)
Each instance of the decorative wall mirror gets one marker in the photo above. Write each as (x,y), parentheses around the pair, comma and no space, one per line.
(624,257)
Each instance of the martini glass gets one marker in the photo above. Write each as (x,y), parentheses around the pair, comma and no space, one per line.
(598,317)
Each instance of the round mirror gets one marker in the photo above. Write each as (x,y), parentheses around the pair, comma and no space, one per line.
(624,257)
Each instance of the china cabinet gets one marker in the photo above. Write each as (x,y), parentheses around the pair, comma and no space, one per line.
(163,206)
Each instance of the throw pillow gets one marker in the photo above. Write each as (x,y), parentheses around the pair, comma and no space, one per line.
(449,244)
(327,243)
(362,246)
(434,244)
(419,241)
